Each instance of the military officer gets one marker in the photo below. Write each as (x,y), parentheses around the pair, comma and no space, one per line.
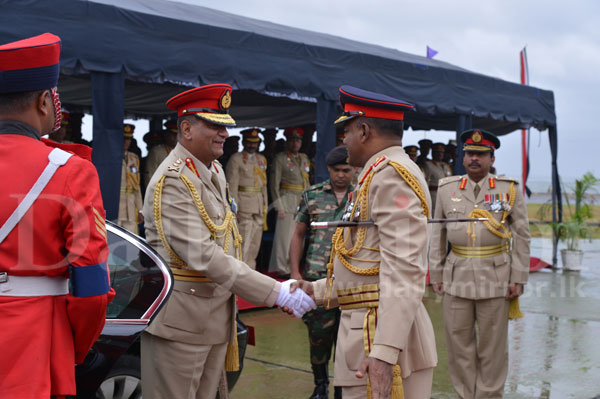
(487,266)
(158,152)
(130,202)
(247,179)
(190,223)
(450,154)
(424,148)
(413,152)
(54,279)
(377,271)
(436,169)
(325,201)
(289,178)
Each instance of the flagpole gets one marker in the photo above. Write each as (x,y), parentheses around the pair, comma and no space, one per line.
(524,132)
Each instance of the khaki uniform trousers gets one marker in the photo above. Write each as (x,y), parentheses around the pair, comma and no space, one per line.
(172,369)
(280,254)
(251,230)
(416,386)
(477,370)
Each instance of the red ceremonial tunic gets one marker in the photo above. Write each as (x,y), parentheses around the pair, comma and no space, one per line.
(62,234)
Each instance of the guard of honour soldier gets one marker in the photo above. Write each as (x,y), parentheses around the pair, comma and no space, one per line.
(158,152)
(435,169)
(247,178)
(323,202)
(52,232)
(189,220)
(483,274)
(288,179)
(130,202)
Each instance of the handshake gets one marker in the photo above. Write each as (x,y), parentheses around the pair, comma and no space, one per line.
(297,302)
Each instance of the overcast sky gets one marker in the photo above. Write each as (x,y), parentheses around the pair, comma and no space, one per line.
(563,47)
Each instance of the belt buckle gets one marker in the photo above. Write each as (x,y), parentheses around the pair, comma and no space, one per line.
(3,277)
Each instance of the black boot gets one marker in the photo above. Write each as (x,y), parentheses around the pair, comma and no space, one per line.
(321,375)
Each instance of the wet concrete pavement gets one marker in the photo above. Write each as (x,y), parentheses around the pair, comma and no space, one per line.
(554,350)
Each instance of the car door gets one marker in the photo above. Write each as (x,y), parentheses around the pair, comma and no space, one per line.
(142,281)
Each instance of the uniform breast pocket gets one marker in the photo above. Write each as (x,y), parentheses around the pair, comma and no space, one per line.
(188,306)
(455,211)
(354,348)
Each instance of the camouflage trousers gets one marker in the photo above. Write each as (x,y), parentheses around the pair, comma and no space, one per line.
(322,333)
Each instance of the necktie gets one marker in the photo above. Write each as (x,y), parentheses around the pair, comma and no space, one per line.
(476,190)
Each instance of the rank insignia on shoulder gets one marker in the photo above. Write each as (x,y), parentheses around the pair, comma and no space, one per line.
(175,166)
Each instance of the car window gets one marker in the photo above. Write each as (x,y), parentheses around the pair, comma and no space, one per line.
(136,278)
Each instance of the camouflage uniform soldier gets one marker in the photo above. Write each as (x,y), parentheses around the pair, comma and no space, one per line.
(322,202)
(130,203)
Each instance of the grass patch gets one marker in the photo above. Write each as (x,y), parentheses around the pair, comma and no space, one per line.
(534,212)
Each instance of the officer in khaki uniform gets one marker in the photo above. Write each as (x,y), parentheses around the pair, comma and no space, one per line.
(436,169)
(193,339)
(487,266)
(288,179)
(377,273)
(247,178)
(159,152)
(130,202)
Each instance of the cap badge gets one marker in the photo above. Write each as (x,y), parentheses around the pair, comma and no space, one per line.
(476,137)
(225,101)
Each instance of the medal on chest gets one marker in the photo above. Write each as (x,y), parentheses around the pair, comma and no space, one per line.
(231,200)
(497,202)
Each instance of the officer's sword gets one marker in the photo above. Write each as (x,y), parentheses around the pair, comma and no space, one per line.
(341,223)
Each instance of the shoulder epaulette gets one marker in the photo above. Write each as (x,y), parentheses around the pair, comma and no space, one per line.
(448,179)
(380,163)
(175,168)
(506,178)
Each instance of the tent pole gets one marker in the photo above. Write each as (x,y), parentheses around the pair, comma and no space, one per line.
(108,91)
(463,122)
(556,192)
(326,115)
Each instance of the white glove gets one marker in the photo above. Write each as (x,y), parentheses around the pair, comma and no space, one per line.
(297,301)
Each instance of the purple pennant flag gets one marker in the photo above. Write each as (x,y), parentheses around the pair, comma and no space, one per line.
(431,52)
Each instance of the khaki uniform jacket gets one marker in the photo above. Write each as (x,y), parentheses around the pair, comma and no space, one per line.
(478,278)
(241,172)
(404,334)
(288,169)
(130,202)
(155,156)
(199,312)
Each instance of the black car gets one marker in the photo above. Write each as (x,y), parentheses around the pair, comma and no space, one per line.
(142,281)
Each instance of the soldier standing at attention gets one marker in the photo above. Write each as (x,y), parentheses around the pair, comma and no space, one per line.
(288,179)
(54,279)
(486,268)
(158,152)
(413,152)
(436,169)
(323,202)
(247,178)
(130,202)
(377,271)
(193,339)
(424,148)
